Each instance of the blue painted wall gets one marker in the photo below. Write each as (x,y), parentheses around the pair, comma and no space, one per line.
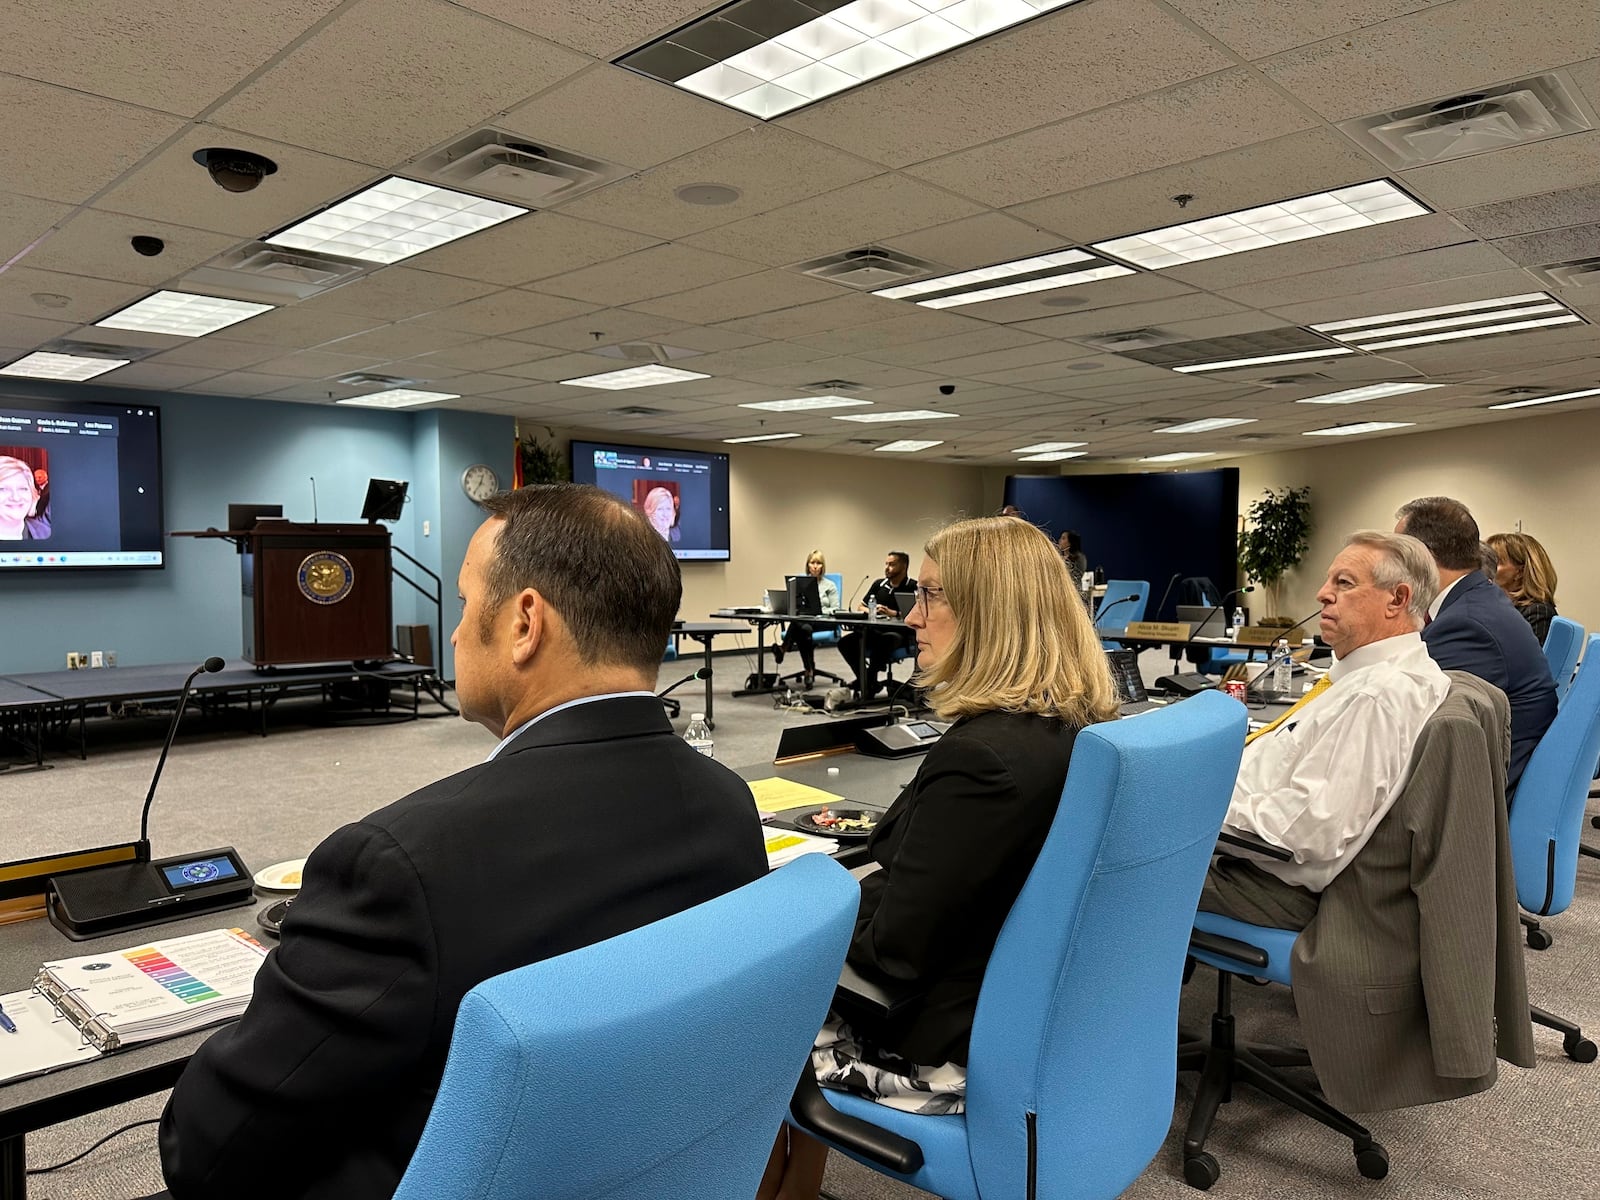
(217,450)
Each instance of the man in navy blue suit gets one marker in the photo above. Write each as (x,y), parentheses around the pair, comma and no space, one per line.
(1474,627)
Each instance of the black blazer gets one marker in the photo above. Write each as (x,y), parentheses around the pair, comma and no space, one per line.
(1479,631)
(956,848)
(595,821)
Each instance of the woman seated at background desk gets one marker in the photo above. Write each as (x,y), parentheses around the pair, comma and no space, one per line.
(799,633)
(1528,576)
(1006,652)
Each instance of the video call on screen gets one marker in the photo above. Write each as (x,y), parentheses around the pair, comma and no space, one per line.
(682,493)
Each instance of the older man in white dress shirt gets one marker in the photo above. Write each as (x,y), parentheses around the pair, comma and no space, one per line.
(1318,781)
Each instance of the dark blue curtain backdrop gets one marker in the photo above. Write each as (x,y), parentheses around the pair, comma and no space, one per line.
(1142,526)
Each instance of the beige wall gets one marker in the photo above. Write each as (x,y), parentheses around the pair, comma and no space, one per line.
(784,503)
(1541,471)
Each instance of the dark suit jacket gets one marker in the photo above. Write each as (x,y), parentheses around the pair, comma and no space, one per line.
(595,821)
(1479,630)
(956,848)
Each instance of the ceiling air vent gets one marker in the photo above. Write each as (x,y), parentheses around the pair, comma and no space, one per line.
(1579,272)
(1127,339)
(106,350)
(868,268)
(370,379)
(863,442)
(640,410)
(833,387)
(275,274)
(1508,114)
(646,352)
(508,166)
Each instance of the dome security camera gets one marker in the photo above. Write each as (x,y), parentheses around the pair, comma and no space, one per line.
(148,246)
(947,389)
(235,170)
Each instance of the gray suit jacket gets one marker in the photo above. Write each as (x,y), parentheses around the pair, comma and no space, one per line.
(1409,981)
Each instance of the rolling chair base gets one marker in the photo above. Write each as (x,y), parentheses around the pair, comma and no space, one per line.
(1222,1062)
(1577,1047)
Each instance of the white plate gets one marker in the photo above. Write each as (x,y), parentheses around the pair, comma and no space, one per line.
(281,877)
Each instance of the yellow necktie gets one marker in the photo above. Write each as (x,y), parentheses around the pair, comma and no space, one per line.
(1317,689)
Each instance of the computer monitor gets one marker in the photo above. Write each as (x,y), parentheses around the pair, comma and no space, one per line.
(1204,620)
(386,498)
(804,598)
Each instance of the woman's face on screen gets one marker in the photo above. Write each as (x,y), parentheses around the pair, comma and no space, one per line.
(16,497)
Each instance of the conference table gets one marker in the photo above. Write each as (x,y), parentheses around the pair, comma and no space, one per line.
(704,632)
(760,618)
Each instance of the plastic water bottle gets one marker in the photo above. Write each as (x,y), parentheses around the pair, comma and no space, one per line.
(1238,622)
(698,735)
(1282,667)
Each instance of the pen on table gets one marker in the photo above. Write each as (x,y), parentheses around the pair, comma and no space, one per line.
(6,1022)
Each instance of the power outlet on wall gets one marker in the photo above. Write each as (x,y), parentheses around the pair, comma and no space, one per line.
(427,528)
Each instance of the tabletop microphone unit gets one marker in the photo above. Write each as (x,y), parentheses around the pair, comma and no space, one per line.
(116,896)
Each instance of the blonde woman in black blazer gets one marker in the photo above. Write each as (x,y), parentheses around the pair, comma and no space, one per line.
(1007,652)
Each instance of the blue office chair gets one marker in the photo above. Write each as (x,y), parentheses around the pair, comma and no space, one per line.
(654,1064)
(1547,820)
(1561,647)
(1071,1073)
(1125,600)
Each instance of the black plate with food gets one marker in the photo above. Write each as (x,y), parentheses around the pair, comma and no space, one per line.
(846,824)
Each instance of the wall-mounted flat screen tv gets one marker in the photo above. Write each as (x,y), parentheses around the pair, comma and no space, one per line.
(683,493)
(80,485)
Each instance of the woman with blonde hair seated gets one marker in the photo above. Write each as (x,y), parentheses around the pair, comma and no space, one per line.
(799,635)
(1006,651)
(1526,575)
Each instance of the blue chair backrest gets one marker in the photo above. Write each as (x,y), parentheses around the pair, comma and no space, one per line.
(1547,813)
(659,1063)
(1078,1015)
(1114,616)
(1561,647)
(830,635)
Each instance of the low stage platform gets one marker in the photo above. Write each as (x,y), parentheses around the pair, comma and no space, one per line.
(32,704)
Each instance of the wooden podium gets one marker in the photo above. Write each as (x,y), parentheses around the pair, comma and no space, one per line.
(315,593)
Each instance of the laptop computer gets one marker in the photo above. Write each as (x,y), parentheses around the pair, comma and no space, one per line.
(1205,620)
(778,600)
(904,602)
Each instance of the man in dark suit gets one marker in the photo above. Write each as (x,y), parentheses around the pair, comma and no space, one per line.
(1474,627)
(591,818)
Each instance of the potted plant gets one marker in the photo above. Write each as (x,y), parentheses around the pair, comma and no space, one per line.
(1274,541)
(542,462)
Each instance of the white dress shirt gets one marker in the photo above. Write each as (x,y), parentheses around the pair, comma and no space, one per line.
(1438,600)
(1319,784)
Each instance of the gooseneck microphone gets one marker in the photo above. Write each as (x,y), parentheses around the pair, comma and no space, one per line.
(1220,603)
(313,479)
(857,588)
(212,665)
(1105,608)
(1258,683)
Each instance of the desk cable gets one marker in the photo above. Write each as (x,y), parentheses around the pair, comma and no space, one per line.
(85,1153)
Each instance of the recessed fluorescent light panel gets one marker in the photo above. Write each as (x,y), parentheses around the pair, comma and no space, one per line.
(398,398)
(805,403)
(760,437)
(1207,425)
(1374,203)
(1373,391)
(634,377)
(769,57)
(1512,404)
(1048,447)
(1051,456)
(906,446)
(1452,322)
(1260,360)
(183,314)
(1041,273)
(393,220)
(73,367)
(1361,427)
(913,414)
(1179,456)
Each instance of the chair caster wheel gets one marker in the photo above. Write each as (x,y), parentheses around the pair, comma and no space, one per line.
(1578,1048)
(1201,1170)
(1539,939)
(1372,1161)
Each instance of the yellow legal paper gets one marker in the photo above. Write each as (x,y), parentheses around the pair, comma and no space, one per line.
(775,795)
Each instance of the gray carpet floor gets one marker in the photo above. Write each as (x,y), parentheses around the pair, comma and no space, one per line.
(1534,1136)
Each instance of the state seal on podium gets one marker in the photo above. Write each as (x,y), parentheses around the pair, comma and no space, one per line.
(326,577)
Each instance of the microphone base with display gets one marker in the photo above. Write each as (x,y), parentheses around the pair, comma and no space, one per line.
(1185,685)
(109,899)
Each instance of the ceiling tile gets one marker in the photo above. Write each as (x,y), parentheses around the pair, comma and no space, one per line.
(172,54)
(533,247)
(1552,210)
(662,122)
(1131,316)
(172,187)
(506,311)
(23,219)
(1563,162)
(1449,262)
(709,340)
(1203,117)
(96,244)
(603,31)
(980,341)
(1551,245)
(294,328)
(743,297)
(220,353)
(405,74)
(768,165)
(1403,62)
(1256,28)
(242,383)
(1103,293)
(314,364)
(857,215)
(158,375)
(842,312)
(487,354)
(978,241)
(561,366)
(658,271)
(400,340)
(107,139)
(1044,70)
(1507,282)
(394,293)
(87,299)
(613,325)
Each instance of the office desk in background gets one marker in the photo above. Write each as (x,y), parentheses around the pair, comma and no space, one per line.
(706,632)
(763,619)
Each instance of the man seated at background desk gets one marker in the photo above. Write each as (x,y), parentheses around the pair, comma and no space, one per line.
(589,819)
(1319,779)
(880,643)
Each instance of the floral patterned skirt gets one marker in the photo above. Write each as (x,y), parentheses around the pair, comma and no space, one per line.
(843,1062)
